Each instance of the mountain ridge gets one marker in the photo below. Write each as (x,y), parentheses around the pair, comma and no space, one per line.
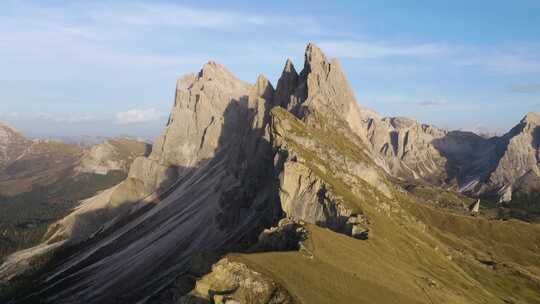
(243,171)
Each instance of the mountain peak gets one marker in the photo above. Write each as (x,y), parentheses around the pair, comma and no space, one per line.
(213,70)
(314,53)
(314,59)
(289,67)
(263,87)
(532,118)
(286,85)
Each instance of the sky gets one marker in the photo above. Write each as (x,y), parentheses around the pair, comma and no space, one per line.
(109,68)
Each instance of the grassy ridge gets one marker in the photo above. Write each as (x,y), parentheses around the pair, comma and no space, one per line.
(415,254)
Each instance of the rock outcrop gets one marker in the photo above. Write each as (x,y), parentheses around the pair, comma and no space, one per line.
(232,282)
(289,234)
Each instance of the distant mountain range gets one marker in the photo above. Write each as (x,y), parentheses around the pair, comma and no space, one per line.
(42,180)
(296,194)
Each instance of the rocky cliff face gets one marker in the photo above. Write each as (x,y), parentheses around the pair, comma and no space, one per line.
(521,154)
(405,148)
(463,161)
(316,94)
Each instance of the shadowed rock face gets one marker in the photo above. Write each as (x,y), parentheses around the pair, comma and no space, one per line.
(206,186)
(518,151)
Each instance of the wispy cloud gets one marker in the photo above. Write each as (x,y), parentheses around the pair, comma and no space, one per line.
(501,61)
(52,117)
(370,49)
(138,116)
(178,16)
(523,59)
(432,103)
(526,88)
(60,42)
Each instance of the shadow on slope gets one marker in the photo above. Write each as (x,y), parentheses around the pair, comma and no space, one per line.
(221,205)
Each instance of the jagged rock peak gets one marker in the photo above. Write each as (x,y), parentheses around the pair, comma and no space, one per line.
(289,67)
(263,88)
(314,57)
(213,70)
(532,118)
(286,85)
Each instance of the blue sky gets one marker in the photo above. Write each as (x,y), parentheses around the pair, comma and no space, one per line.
(109,68)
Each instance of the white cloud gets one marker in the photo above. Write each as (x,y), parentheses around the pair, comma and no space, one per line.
(369,50)
(138,116)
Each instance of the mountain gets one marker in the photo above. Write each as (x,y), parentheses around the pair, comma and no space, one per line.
(12,144)
(491,168)
(41,181)
(84,141)
(289,195)
(115,154)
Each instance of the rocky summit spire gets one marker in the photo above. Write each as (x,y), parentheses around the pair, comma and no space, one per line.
(320,90)
(263,88)
(314,59)
(286,85)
